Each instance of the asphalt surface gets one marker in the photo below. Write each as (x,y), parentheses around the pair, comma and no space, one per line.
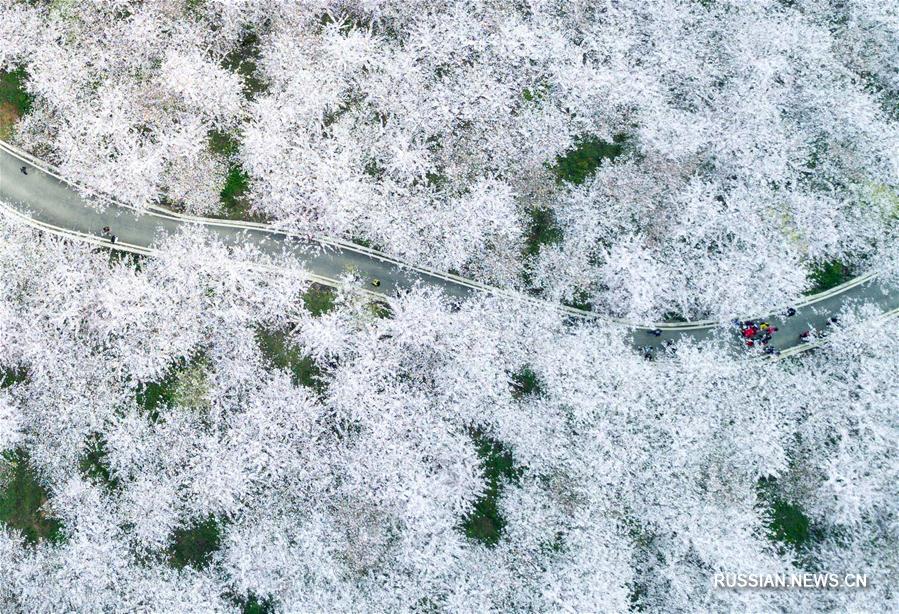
(45,200)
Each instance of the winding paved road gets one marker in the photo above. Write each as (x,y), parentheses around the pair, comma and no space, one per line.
(44,199)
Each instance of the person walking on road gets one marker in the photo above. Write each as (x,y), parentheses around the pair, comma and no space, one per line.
(24,170)
(113,239)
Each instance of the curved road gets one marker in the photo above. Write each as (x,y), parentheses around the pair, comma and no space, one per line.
(44,199)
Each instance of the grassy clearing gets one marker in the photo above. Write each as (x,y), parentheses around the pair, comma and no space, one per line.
(181,385)
(581,300)
(244,60)
(319,300)
(542,230)
(788,526)
(14,100)
(128,259)
(94,464)
(573,167)
(254,605)
(524,383)
(195,544)
(223,143)
(22,499)
(380,310)
(282,354)
(10,377)
(829,275)
(537,93)
(151,396)
(485,523)
(9,115)
(235,205)
(589,152)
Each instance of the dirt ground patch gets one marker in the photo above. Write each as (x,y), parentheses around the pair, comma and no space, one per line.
(9,114)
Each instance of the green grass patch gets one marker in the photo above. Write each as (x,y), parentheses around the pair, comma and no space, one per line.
(283,355)
(374,169)
(170,390)
(12,90)
(235,204)
(380,310)
(525,382)
(788,526)
(319,299)
(22,497)
(252,604)
(193,545)
(829,275)
(233,198)
(128,259)
(10,377)
(244,60)
(542,230)
(94,464)
(535,94)
(673,316)
(436,181)
(15,101)
(194,8)
(589,152)
(223,143)
(151,396)
(485,523)
(580,300)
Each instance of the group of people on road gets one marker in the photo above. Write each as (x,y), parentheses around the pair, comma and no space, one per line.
(811,334)
(757,333)
(648,351)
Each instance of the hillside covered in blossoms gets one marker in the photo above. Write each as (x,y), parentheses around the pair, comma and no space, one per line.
(207,426)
